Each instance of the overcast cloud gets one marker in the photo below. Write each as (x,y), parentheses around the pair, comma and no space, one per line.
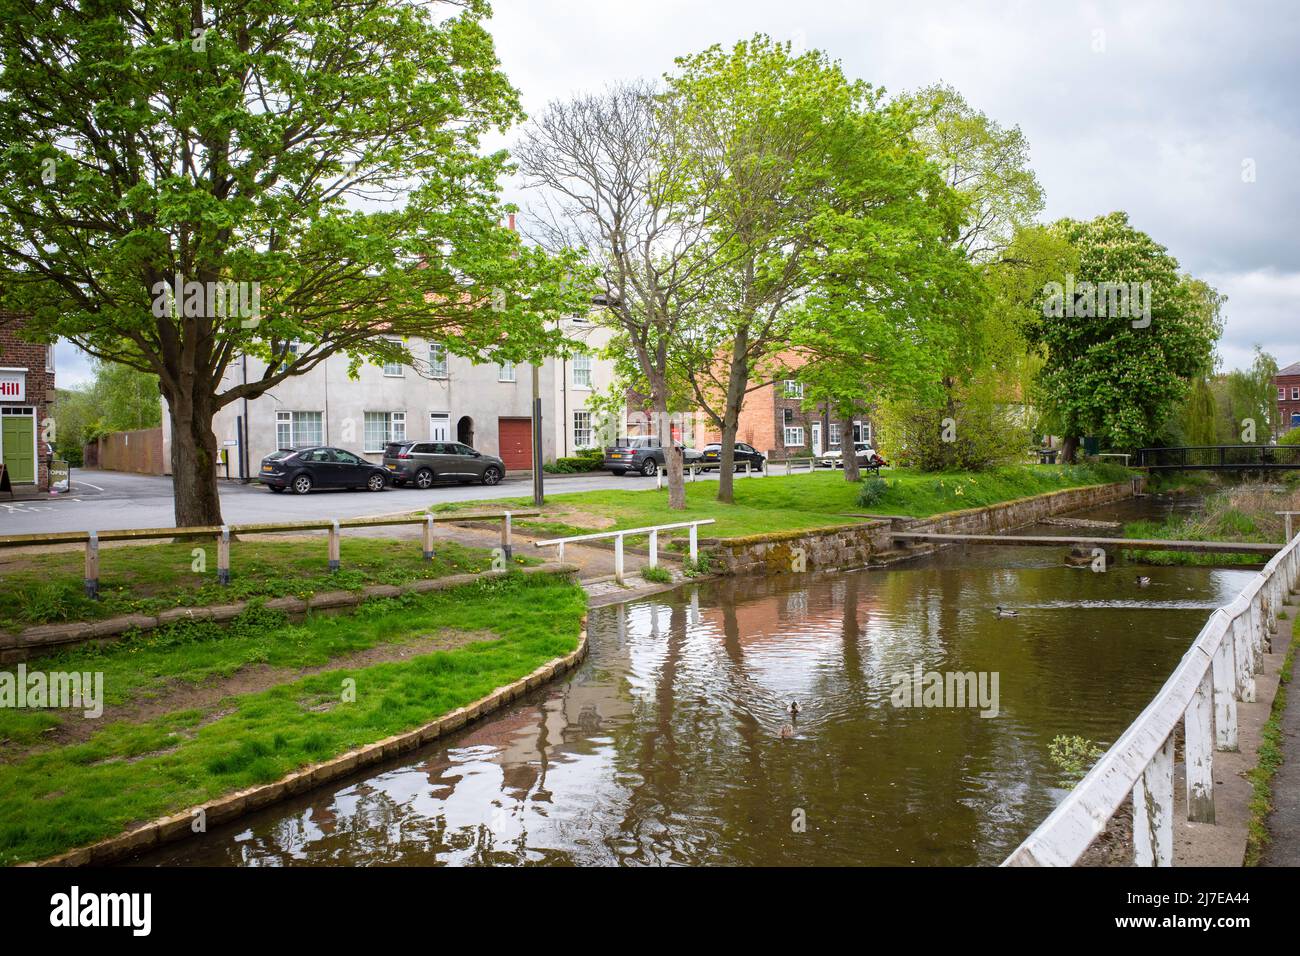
(1147,107)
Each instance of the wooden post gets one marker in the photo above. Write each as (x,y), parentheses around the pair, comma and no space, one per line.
(506,546)
(1225,700)
(1256,634)
(618,558)
(92,566)
(559,552)
(334,546)
(1241,651)
(695,545)
(428,537)
(1153,810)
(659,479)
(1198,752)
(223,555)
(654,548)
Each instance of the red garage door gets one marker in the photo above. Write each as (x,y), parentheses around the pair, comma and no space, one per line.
(515,440)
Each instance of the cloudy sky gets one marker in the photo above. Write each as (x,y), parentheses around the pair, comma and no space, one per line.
(1163,110)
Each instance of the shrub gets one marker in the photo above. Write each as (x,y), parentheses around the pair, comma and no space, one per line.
(657,574)
(1074,757)
(873,492)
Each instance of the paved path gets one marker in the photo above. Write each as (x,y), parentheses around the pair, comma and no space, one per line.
(1284,820)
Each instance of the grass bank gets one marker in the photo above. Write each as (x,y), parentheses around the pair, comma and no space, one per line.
(1242,513)
(54,797)
(46,587)
(797,502)
(1270,758)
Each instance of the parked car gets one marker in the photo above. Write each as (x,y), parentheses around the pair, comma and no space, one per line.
(304,469)
(867,457)
(643,455)
(421,463)
(711,459)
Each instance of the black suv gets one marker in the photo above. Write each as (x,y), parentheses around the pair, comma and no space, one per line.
(643,455)
(303,469)
(743,453)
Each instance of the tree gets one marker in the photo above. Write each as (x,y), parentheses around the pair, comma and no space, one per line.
(292,170)
(118,398)
(814,184)
(609,170)
(1120,339)
(1249,411)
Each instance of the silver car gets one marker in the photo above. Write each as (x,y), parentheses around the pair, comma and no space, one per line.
(421,463)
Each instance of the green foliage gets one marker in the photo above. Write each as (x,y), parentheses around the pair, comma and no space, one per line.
(872,492)
(1245,512)
(1074,757)
(697,568)
(658,574)
(1290,438)
(590,459)
(973,432)
(119,398)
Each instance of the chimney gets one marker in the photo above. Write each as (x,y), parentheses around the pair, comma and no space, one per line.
(512,222)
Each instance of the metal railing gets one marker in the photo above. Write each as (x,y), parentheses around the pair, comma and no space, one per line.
(1221,457)
(223,533)
(618,536)
(1216,673)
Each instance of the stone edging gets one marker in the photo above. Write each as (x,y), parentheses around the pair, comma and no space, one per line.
(176,827)
(45,638)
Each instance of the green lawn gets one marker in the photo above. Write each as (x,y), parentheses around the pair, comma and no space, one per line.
(56,798)
(781,503)
(1245,512)
(45,588)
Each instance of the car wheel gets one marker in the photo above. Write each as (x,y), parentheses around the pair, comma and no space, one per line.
(758,466)
(376,483)
(491,475)
(649,467)
(302,484)
(276,489)
(618,472)
(423,478)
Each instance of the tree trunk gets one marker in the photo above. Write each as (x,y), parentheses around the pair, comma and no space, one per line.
(672,454)
(848,451)
(1069,449)
(737,381)
(194,457)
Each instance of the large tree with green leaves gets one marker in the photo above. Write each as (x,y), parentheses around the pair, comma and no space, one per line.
(320,158)
(1122,335)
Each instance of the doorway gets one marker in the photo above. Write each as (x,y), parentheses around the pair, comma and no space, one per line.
(816,439)
(465,431)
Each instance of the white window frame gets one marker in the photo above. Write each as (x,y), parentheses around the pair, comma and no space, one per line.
(49,358)
(834,435)
(793,437)
(394,429)
(433,429)
(1281,393)
(389,366)
(506,371)
(583,381)
(793,388)
(579,430)
(294,425)
(1295,393)
(437,366)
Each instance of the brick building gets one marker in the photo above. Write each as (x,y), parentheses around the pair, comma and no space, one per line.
(1288,398)
(26,402)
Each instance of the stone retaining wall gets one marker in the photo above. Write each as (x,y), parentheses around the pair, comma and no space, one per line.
(856,545)
(224,809)
(48,638)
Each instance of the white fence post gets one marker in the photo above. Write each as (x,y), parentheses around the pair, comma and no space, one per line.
(428,537)
(1153,810)
(654,548)
(1241,647)
(91,577)
(695,543)
(1225,690)
(506,544)
(1198,752)
(334,545)
(618,558)
(223,555)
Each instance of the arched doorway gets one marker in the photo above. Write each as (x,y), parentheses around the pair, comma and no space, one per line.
(465,431)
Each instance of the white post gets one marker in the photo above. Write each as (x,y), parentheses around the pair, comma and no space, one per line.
(428,537)
(91,577)
(1241,651)
(1153,810)
(1225,700)
(659,478)
(506,547)
(223,555)
(618,558)
(1198,752)
(334,545)
(695,547)
(1256,635)
(559,552)
(654,548)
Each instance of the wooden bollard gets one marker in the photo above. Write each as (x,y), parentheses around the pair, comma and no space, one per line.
(428,537)
(654,548)
(506,548)
(223,555)
(92,566)
(334,546)
(1198,751)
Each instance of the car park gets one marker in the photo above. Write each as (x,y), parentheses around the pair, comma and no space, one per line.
(308,469)
(642,455)
(421,463)
(711,457)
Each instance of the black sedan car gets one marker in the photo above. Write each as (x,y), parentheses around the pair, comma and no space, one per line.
(712,457)
(304,469)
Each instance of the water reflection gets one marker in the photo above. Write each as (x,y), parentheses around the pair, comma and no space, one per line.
(666,746)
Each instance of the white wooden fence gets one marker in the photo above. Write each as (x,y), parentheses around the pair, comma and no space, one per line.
(618,536)
(1203,691)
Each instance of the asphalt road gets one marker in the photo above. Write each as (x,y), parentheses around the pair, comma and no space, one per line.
(101,500)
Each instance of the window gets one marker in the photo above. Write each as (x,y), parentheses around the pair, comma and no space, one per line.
(299,429)
(835,434)
(793,389)
(582,429)
(582,371)
(1295,393)
(383,427)
(862,432)
(1281,393)
(393,369)
(793,436)
(49,357)
(506,372)
(437,360)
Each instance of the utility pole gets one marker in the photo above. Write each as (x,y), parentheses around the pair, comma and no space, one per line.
(538,491)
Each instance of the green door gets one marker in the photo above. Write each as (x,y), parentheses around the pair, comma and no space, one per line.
(19,447)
